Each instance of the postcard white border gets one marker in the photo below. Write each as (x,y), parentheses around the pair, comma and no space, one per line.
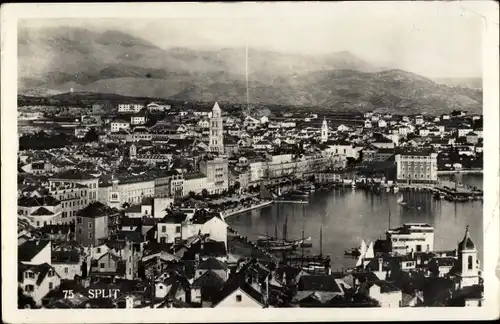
(10,13)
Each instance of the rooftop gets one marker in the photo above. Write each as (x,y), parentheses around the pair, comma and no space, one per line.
(73,174)
(96,209)
(37,201)
(29,249)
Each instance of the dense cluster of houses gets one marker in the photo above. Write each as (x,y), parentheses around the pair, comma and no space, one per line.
(182,260)
(106,213)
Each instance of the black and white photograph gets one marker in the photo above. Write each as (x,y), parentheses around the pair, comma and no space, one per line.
(251,156)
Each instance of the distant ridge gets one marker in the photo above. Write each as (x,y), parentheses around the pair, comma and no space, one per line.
(54,61)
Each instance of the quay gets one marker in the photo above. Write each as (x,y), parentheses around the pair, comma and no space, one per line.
(292,201)
(235,211)
(464,171)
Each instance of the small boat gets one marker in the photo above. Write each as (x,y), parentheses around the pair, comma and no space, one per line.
(354,252)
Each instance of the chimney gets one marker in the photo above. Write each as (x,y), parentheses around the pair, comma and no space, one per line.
(380,264)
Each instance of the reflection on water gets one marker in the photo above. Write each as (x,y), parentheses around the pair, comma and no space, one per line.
(347,216)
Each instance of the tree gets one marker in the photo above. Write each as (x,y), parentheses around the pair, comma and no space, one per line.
(91,136)
(237,186)
(24,301)
(191,194)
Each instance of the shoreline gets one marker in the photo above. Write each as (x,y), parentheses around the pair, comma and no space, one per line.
(469,171)
(239,211)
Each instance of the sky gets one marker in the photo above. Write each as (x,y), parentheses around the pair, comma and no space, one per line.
(433,43)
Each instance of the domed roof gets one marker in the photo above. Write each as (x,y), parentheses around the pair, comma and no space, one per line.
(466,243)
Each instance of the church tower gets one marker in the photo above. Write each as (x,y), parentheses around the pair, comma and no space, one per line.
(324,131)
(216,140)
(468,265)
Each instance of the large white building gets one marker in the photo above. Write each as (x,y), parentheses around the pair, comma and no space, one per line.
(416,167)
(216,139)
(129,107)
(217,173)
(118,125)
(411,237)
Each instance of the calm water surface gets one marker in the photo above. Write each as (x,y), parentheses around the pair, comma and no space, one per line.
(347,216)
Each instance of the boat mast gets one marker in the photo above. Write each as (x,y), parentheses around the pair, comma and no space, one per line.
(321,241)
(285,227)
(276,222)
(303,225)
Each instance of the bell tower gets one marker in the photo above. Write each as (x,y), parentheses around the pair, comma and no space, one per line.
(467,262)
(324,131)
(216,139)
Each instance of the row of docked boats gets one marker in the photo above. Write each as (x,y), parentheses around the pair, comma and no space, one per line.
(276,244)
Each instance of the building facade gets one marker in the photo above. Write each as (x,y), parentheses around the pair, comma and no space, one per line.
(217,173)
(77,176)
(96,223)
(416,167)
(73,197)
(411,237)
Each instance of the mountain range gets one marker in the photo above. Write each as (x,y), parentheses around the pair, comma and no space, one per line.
(57,60)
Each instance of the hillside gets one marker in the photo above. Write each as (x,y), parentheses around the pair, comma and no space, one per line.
(59,60)
(473,83)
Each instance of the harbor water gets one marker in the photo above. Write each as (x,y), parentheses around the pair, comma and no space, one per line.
(347,216)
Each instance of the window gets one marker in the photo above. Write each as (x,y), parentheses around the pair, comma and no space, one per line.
(419,248)
(129,272)
(177,229)
(29,274)
(79,230)
(51,285)
(98,250)
(101,265)
(29,288)
(90,224)
(50,273)
(238,298)
(163,240)
(65,269)
(469,262)
(79,220)
(90,235)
